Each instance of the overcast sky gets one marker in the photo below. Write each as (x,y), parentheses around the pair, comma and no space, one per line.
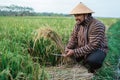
(102,8)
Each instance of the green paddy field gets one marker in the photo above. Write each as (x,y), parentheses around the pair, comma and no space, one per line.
(16,34)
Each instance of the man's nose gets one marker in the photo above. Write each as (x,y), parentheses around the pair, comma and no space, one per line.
(76,15)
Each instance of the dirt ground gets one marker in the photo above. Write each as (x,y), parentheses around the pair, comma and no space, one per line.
(69,72)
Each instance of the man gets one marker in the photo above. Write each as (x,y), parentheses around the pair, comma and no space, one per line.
(88,41)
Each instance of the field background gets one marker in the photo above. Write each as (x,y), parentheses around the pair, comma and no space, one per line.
(16,34)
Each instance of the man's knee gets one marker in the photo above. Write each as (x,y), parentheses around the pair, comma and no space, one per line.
(96,59)
(93,63)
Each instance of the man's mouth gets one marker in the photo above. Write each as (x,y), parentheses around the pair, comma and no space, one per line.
(78,21)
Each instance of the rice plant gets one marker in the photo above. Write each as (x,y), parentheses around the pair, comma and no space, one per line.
(48,33)
(43,39)
(18,67)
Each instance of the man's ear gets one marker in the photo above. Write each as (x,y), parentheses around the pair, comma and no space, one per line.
(85,16)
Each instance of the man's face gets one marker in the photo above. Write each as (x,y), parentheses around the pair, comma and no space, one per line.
(79,18)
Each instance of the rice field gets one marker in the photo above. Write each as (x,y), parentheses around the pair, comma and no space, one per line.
(18,60)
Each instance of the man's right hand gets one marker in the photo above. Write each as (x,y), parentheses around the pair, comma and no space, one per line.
(70,53)
(66,50)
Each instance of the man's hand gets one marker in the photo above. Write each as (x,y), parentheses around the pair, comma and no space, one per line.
(67,50)
(70,52)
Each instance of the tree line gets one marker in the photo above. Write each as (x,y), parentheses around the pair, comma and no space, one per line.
(14,10)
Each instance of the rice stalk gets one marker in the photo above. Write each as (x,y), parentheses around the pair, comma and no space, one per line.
(49,33)
(5,74)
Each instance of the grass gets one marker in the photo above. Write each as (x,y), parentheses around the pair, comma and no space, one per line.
(111,61)
(18,67)
(16,40)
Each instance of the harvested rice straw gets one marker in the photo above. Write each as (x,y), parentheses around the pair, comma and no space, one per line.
(49,33)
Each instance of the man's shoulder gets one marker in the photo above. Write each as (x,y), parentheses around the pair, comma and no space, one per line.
(96,22)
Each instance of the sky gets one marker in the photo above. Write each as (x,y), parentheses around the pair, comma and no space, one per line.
(102,8)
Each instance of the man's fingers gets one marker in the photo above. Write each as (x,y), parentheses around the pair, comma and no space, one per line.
(67,50)
(64,55)
(70,53)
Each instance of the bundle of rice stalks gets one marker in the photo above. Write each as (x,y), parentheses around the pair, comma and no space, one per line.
(49,33)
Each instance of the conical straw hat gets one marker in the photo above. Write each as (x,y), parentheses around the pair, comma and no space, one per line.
(81,9)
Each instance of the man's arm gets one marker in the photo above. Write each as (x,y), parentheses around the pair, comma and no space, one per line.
(73,39)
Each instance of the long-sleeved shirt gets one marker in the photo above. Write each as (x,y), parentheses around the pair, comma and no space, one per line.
(87,37)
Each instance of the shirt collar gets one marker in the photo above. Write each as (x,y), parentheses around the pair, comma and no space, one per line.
(87,21)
